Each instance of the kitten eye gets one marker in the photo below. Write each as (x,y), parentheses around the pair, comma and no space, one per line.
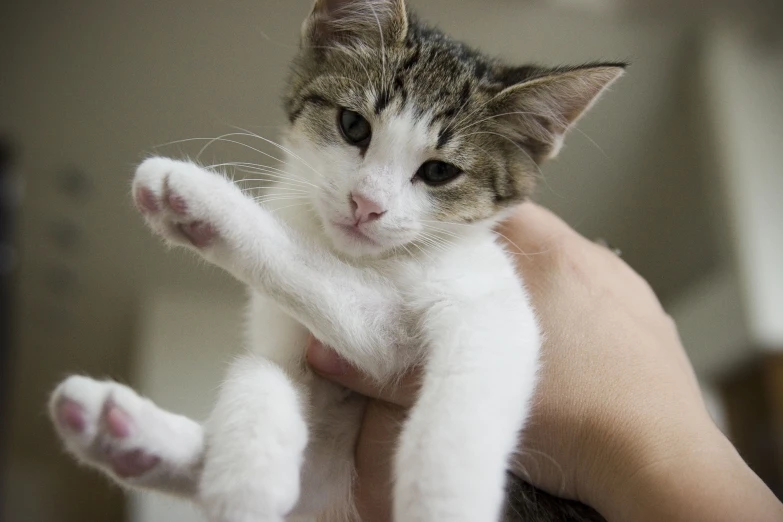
(355,129)
(437,172)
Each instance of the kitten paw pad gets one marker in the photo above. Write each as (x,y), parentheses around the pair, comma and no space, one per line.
(132,463)
(98,422)
(180,200)
(69,415)
(199,233)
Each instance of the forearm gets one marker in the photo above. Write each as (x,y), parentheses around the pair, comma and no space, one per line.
(709,481)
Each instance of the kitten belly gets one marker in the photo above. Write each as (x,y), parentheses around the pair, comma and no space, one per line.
(333,414)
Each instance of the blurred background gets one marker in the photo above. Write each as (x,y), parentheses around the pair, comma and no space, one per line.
(680,166)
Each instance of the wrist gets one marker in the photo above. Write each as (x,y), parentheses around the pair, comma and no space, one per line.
(691,473)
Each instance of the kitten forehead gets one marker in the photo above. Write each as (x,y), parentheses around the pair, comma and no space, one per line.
(405,130)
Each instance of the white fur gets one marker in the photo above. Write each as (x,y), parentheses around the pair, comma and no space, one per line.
(458,309)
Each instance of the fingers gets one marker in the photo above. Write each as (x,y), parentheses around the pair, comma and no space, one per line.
(325,362)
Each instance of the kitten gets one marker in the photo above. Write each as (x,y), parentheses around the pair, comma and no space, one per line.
(407,147)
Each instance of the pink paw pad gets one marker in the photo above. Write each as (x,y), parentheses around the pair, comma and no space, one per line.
(199,233)
(70,415)
(177,204)
(146,200)
(132,463)
(117,421)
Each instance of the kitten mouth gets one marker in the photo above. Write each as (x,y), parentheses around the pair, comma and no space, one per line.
(354,232)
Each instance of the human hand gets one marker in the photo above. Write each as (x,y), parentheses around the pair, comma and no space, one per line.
(618,409)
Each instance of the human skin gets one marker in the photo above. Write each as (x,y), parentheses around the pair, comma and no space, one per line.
(618,421)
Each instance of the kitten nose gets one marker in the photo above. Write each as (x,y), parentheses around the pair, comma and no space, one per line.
(365,209)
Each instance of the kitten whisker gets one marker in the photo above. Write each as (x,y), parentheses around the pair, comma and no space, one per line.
(428,240)
(288,206)
(272,172)
(274,183)
(440,240)
(269,171)
(517,145)
(249,134)
(520,250)
(498,116)
(281,147)
(423,251)
(383,44)
(412,256)
(220,138)
(266,187)
(466,117)
(275,195)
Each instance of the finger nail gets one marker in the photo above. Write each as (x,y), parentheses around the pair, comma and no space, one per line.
(325,360)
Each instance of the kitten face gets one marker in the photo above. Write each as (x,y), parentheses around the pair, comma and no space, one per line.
(408,132)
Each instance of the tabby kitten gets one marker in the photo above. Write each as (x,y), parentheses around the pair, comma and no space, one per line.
(407,147)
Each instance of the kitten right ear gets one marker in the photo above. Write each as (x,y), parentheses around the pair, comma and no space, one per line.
(356,22)
(540,105)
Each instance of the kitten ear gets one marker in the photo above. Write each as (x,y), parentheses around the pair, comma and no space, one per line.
(541,105)
(346,22)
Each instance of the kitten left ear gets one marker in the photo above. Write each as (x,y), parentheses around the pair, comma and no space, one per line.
(351,22)
(536,113)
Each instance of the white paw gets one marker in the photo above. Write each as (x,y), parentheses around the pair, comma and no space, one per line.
(109,426)
(99,424)
(183,202)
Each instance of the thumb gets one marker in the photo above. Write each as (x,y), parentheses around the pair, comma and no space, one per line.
(329,365)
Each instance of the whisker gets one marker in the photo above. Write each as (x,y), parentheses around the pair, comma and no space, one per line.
(497,116)
(441,240)
(274,183)
(272,195)
(492,231)
(458,113)
(410,254)
(281,147)
(474,111)
(274,200)
(213,140)
(269,171)
(383,44)
(517,145)
(429,240)
(597,146)
(286,189)
(288,206)
(442,230)
(423,251)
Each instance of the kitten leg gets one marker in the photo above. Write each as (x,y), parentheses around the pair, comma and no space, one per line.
(346,307)
(108,426)
(256,437)
(454,450)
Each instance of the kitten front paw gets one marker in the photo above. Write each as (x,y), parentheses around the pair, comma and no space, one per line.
(104,424)
(183,202)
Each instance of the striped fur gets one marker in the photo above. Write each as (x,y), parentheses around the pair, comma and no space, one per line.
(495,122)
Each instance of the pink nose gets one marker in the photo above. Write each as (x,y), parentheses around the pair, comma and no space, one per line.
(365,209)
